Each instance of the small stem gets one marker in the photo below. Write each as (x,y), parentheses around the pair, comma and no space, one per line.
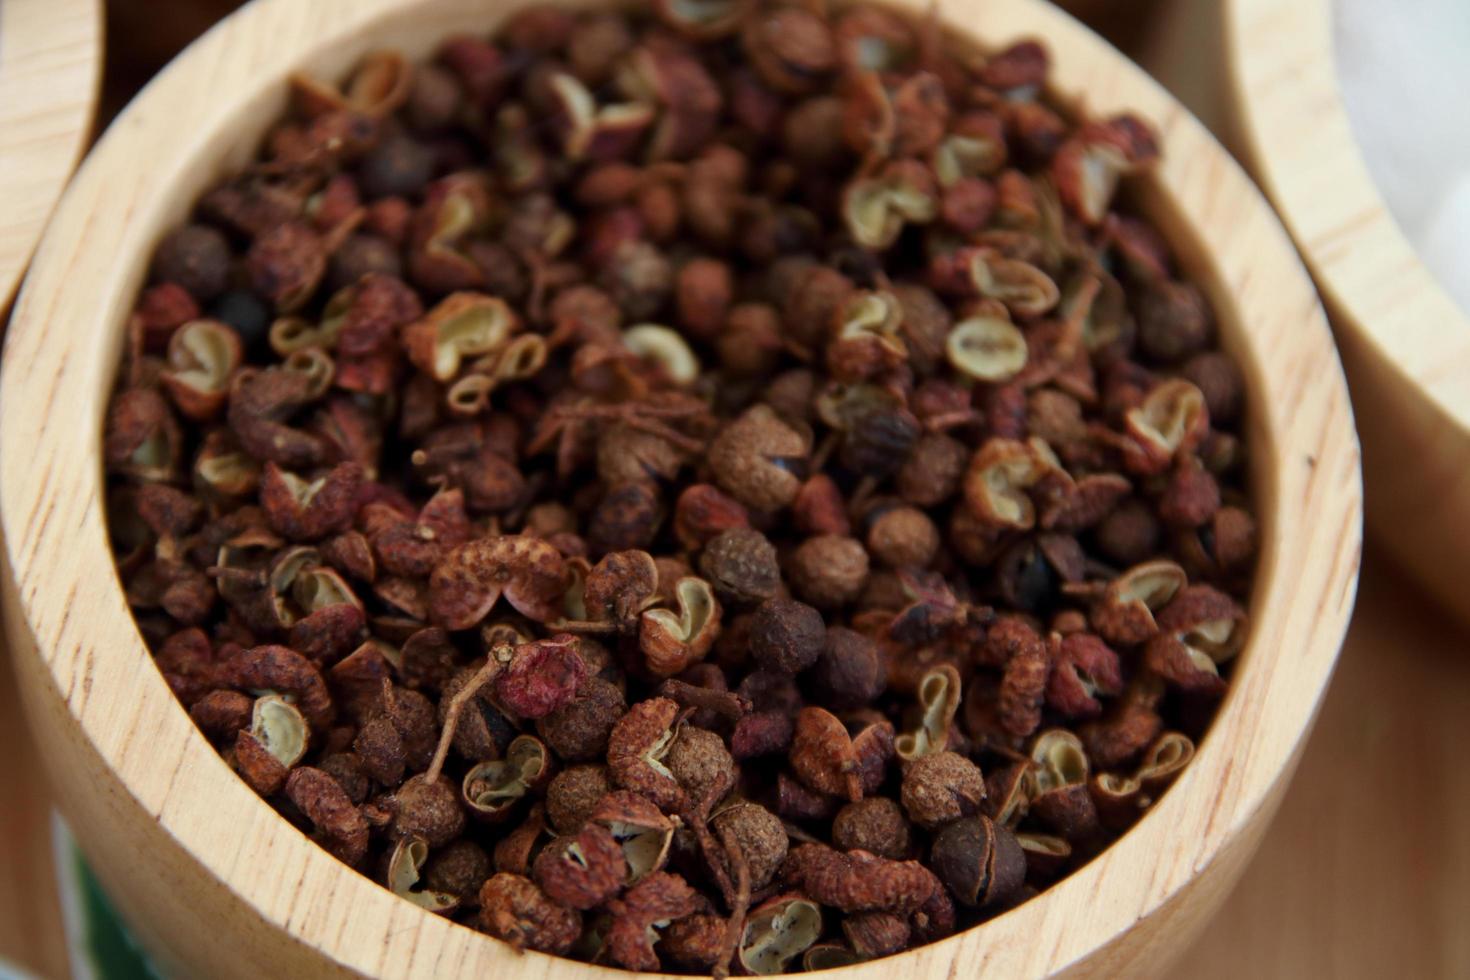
(726,703)
(582,626)
(735,927)
(243,575)
(462,697)
(945,421)
(697,817)
(689,444)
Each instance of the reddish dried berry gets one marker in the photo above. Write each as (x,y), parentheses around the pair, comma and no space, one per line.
(542,677)
(858,881)
(583,871)
(514,909)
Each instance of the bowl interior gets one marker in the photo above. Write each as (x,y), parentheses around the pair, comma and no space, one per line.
(63,349)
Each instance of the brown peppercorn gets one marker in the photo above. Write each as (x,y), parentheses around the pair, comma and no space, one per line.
(1190,498)
(597,45)
(790,47)
(879,442)
(856,881)
(625,519)
(1174,321)
(942,787)
(1130,534)
(573,794)
(1214,373)
(398,166)
(436,99)
(741,565)
(346,769)
(967,204)
(753,459)
(815,295)
(828,571)
(380,749)
(196,257)
(749,344)
(581,871)
(459,869)
(812,133)
(874,934)
(639,278)
(1056,417)
(933,470)
(430,810)
(700,762)
(877,825)
(702,296)
(760,836)
(850,673)
(579,731)
(362,255)
(694,943)
(980,861)
(786,636)
(903,537)
(514,909)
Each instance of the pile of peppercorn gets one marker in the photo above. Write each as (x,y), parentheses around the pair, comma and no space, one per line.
(719,488)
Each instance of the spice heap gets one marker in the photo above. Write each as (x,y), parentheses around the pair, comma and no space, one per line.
(719,489)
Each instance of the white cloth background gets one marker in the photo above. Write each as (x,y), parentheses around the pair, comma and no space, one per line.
(1404,66)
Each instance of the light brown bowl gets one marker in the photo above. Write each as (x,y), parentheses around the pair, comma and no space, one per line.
(218,885)
(50,66)
(1404,341)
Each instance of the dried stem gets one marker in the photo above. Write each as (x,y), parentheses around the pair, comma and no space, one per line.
(653,427)
(697,817)
(726,703)
(462,697)
(735,926)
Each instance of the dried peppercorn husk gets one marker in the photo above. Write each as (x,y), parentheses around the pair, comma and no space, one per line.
(726,486)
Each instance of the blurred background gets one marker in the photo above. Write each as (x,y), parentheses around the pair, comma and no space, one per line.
(1364,872)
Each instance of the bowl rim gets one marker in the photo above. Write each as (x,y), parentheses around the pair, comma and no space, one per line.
(53,382)
(50,84)
(1308,159)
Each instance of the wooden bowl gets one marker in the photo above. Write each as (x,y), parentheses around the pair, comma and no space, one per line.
(1404,341)
(217,884)
(50,67)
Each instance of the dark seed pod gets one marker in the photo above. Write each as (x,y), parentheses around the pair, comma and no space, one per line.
(980,863)
(880,442)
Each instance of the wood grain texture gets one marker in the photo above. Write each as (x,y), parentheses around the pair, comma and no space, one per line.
(217,884)
(1404,341)
(50,63)
(30,912)
(1365,872)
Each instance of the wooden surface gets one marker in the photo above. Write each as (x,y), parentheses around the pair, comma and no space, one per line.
(1405,342)
(1366,871)
(217,884)
(50,63)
